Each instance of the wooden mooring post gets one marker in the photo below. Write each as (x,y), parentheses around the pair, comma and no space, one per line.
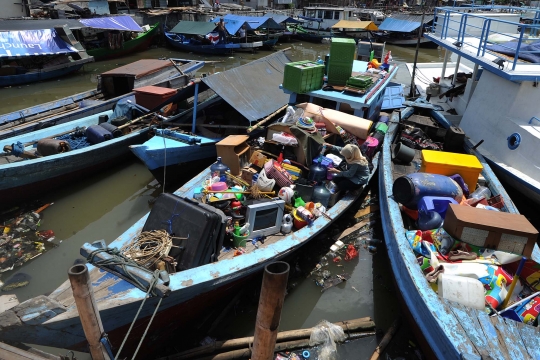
(88,311)
(271,301)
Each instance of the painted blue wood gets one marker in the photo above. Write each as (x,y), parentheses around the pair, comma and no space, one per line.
(162,151)
(449,328)
(530,335)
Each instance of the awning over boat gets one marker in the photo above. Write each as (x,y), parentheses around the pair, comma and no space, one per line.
(32,42)
(233,23)
(310,18)
(253,89)
(193,28)
(283,19)
(397,25)
(352,24)
(123,23)
(138,68)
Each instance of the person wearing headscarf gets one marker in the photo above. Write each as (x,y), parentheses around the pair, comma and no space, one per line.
(357,172)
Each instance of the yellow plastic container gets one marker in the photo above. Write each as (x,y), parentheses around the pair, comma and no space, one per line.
(447,163)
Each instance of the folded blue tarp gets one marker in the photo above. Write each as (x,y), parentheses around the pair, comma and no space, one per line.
(123,23)
(32,42)
(510,48)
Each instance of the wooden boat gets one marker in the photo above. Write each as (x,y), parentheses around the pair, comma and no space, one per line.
(180,42)
(141,42)
(402,30)
(26,173)
(446,328)
(192,290)
(37,55)
(111,88)
(314,36)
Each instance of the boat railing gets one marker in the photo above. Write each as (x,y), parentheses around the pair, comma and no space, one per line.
(474,29)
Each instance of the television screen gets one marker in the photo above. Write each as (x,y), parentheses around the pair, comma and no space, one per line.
(265,219)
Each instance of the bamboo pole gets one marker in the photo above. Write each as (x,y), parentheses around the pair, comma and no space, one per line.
(88,311)
(269,311)
(266,119)
(386,339)
(356,326)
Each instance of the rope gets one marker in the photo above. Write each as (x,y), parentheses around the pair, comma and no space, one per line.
(151,286)
(147,327)
(149,247)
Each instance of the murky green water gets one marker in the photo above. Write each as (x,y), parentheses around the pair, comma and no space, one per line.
(105,205)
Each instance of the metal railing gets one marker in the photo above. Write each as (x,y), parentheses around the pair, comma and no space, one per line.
(478,22)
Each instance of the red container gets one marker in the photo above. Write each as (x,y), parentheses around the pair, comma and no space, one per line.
(151,97)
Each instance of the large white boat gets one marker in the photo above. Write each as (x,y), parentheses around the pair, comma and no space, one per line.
(326,16)
(496,101)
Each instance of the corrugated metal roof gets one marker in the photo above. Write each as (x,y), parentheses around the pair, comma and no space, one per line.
(397,25)
(15,25)
(415,18)
(193,28)
(354,24)
(253,89)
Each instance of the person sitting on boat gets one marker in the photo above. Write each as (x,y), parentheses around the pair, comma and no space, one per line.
(221,31)
(242,32)
(357,173)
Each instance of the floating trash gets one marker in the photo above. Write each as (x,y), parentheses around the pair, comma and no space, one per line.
(18,280)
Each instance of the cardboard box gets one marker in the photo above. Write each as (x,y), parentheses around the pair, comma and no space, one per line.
(491,229)
(247,174)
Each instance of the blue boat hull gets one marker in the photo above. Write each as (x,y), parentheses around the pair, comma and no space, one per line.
(24,179)
(219,49)
(41,75)
(193,291)
(451,330)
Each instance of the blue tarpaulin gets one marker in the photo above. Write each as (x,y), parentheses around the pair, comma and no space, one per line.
(32,42)
(528,52)
(124,23)
(233,23)
(397,25)
(283,19)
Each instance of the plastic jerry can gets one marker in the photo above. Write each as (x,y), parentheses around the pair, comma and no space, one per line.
(436,203)
(97,134)
(409,189)
(219,166)
(464,290)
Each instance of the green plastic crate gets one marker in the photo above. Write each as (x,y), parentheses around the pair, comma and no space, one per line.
(303,76)
(342,50)
(338,74)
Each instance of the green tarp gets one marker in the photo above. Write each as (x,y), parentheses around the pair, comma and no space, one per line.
(193,28)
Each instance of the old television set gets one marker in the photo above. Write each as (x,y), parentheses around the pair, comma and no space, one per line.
(265,217)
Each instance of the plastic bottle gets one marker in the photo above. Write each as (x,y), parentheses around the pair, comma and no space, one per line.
(219,167)
(289,115)
(319,60)
(481,192)
(409,189)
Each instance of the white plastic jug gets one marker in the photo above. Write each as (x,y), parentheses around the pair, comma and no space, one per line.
(464,290)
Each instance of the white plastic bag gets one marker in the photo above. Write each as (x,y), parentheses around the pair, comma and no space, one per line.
(326,335)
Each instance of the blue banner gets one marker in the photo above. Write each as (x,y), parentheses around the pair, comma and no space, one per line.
(123,23)
(32,42)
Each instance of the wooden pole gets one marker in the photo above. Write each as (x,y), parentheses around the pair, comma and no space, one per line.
(386,339)
(351,327)
(88,311)
(266,119)
(420,31)
(269,310)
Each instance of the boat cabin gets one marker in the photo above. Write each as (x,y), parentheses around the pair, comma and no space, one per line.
(326,16)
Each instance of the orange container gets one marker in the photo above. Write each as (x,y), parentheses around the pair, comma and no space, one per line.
(298,221)
(151,97)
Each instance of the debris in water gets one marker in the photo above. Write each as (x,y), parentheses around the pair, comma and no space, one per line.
(16,281)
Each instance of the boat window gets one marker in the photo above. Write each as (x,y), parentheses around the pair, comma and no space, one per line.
(328,14)
(320,14)
(336,15)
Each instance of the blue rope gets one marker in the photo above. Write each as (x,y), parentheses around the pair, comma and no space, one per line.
(76,139)
(174,214)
